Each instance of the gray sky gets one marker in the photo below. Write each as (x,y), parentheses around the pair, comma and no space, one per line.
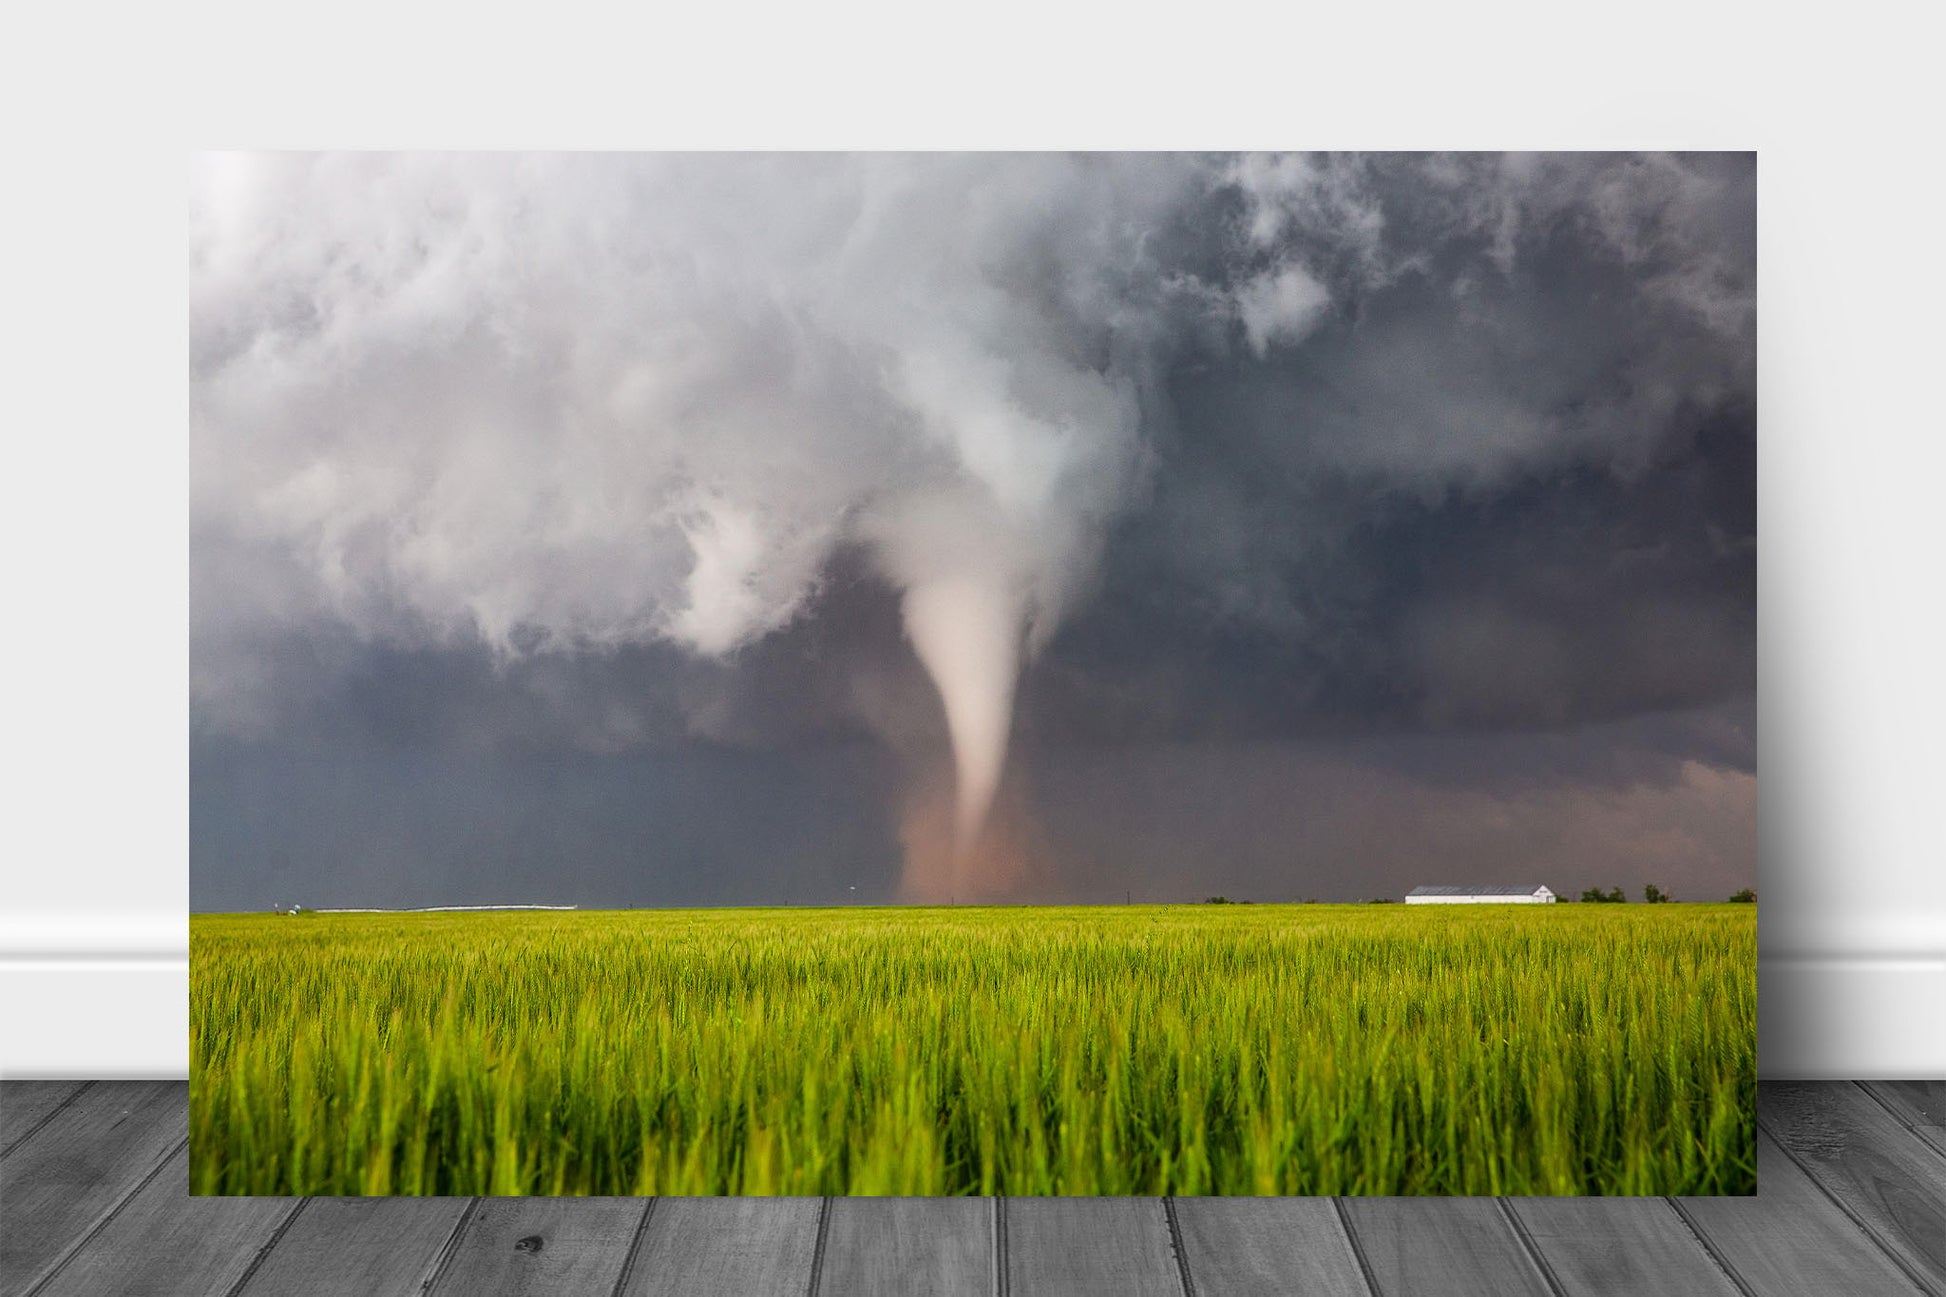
(1289,526)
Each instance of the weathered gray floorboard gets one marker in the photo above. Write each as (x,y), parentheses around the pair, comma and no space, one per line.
(1918,1103)
(1619,1246)
(908,1247)
(515,1246)
(1874,1166)
(164,1242)
(95,1202)
(1789,1239)
(1921,1105)
(1115,1247)
(1268,1246)
(359,1247)
(1457,1247)
(25,1104)
(78,1167)
(726,1247)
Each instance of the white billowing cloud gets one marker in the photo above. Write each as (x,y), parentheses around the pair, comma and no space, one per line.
(1318,196)
(580,402)
(607,398)
(1686,223)
(1280,305)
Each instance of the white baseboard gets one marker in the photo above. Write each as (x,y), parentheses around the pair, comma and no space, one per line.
(1847,1017)
(94,1017)
(100,994)
(105,1014)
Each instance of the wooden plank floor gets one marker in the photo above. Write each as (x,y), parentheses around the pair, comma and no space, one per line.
(1851,1200)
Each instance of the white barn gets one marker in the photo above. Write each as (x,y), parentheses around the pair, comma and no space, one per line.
(1517,894)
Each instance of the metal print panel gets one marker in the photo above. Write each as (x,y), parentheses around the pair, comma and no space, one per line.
(932,674)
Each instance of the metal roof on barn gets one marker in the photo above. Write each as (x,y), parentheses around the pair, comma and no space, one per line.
(1494,889)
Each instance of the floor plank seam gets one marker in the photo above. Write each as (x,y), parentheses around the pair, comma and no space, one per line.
(1737,1281)
(817,1249)
(1531,1248)
(450,1248)
(634,1247)
(88,1235)
(1176,1246)
(263,1252)
(57,1110)
(1919,1281)
(1357,1247)
(1905,1123)
(998,1224)
(1874,1096)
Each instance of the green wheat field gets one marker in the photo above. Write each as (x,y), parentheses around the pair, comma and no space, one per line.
(1195,1049)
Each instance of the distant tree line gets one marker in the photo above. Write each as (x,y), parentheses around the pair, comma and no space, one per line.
(1654,895)
(1651,894)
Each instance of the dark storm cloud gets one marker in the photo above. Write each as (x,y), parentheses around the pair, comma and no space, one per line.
(389,826)
(1564,597)
(1296,821)
(1441,469)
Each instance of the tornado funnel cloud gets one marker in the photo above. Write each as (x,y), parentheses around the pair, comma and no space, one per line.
(967,633)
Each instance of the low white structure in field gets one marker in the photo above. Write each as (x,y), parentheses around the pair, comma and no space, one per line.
(1517,894)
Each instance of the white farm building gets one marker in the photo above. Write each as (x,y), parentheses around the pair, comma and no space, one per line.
(1517,894)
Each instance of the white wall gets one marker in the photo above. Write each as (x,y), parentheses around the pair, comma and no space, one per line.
(1853,915)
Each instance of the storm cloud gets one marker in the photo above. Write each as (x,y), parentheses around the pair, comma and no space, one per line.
(855,494)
